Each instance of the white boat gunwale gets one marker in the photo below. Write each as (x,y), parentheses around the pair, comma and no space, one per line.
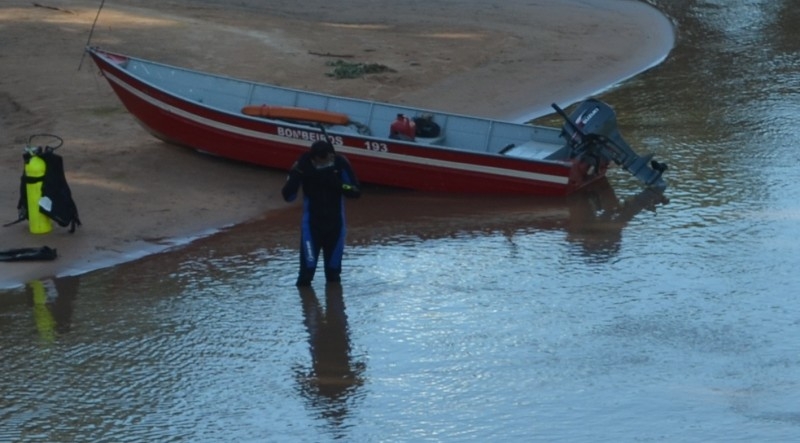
(252,86)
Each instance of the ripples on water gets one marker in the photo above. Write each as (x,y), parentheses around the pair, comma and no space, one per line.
(603,318)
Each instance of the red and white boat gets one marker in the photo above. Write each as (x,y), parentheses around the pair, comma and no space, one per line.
(270,126)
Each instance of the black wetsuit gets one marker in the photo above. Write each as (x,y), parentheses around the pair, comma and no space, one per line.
(323,224)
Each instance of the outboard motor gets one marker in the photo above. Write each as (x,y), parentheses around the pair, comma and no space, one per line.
(592,134)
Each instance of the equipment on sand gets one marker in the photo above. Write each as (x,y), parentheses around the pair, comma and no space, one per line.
(44,192)
(29,254)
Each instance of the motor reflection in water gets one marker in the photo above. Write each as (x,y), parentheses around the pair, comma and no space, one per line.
(596,220)
(334,377)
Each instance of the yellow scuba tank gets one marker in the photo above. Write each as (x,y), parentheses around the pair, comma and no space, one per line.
(35,169)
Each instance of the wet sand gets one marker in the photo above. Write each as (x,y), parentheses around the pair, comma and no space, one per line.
(137,195)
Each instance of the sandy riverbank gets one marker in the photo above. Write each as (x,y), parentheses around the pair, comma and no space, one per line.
(136,195)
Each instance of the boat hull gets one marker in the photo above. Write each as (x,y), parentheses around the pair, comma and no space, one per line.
(275,144)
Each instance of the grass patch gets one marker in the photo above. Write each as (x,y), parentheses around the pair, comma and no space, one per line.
(343,69)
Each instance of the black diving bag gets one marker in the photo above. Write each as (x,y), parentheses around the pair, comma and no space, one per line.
(56,202)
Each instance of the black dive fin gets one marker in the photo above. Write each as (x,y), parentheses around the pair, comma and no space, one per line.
(28,254)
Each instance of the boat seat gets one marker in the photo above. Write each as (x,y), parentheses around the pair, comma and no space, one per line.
(530,149)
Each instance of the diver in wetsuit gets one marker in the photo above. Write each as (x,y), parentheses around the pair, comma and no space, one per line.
(326,178)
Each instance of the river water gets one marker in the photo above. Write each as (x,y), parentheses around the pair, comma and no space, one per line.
(606,317)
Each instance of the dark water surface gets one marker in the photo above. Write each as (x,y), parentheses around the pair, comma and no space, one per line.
(599,318)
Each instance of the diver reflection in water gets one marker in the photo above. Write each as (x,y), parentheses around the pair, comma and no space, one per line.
(334,377)
(52,302)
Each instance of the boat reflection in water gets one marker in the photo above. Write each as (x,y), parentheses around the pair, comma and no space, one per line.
(333,377)
(592,219)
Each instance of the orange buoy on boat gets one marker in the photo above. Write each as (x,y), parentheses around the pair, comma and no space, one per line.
(292,113)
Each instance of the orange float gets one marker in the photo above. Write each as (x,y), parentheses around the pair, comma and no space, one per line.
(292,113)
